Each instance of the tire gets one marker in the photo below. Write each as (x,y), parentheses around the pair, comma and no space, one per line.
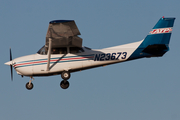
(29,87)
(64,84)
(65,75)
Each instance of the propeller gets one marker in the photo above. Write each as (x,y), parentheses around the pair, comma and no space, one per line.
(11,65)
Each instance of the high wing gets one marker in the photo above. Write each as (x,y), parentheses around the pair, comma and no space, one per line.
(64,33)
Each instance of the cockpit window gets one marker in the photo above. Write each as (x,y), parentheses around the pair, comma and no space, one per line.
(62,50)
(76,50)
(43,51)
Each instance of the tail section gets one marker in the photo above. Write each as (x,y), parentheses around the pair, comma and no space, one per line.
(156,43)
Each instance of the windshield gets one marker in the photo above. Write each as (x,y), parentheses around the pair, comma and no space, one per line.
(43,50)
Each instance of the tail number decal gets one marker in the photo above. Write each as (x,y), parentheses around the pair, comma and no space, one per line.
(110,56)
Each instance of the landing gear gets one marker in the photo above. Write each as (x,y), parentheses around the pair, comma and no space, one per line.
(30,85)
(65,76)
(64,84)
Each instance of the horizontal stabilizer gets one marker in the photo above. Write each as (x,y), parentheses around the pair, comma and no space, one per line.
(157,49)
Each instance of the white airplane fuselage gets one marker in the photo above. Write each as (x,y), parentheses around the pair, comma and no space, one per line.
(36,64)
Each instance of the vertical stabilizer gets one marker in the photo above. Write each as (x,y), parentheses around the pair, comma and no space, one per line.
(161,33)
(156,43)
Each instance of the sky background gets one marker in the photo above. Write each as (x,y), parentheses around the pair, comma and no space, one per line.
(144,89)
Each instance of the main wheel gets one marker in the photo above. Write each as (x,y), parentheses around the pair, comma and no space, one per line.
(65,75)
(64,84)
(29,86)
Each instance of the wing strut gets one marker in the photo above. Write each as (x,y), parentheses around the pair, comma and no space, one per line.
(49,53)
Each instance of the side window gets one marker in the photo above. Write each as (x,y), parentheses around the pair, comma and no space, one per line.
(76,50)
(62,50)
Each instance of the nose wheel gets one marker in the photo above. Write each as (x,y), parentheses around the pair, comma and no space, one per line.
(30,85)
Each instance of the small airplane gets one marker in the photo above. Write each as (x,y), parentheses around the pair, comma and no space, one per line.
(63,52)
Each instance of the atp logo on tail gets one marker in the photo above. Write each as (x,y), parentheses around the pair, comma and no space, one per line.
(161,30)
